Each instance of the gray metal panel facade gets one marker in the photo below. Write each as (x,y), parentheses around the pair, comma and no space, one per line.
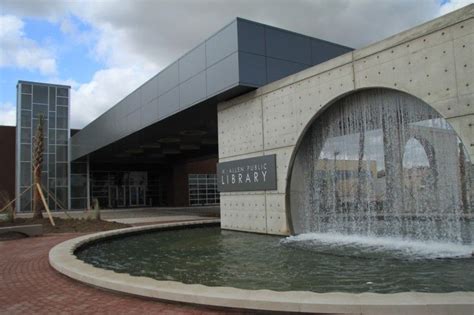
(241,54)
(168,78)
(222,44)
(278,69)
(223,75)
(267,54)
(192,63)
(288,46)
(193,90)
(168,103)
(252,69)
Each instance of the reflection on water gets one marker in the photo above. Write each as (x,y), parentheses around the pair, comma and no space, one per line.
(382,163)
(213,257)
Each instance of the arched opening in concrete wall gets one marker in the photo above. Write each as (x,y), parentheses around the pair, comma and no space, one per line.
(380,162)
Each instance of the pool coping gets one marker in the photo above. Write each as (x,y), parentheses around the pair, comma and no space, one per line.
(62,259)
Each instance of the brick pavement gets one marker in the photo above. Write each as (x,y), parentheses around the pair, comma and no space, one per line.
(28,285)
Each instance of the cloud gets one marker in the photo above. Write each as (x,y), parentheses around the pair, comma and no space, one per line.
(20,51)
(7,114)
(135,39)
(106,88)
(452,5)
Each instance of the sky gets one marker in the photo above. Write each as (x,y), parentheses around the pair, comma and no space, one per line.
(105,49)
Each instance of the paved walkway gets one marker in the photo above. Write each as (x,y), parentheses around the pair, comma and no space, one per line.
(140,216)
(28,285)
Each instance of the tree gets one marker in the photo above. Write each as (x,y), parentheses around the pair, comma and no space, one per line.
(38,149)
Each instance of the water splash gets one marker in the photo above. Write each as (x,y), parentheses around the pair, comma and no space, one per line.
(398,247)
(381,163)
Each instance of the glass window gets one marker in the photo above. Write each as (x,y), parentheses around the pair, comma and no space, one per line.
(26,118)
(61,195)
(61,174)
(61,153)
(62,118)
(26,201)
(40,110)
(25,174)
(61,101)
(25,101)
(25,135)
(52,120)
(44,181)
(61,136)
(26,88)
(51,165)
(78,168)
(52,98)
(52,138)
(78,186)
(25,152)
(40,94)
(202,189)
(63,92)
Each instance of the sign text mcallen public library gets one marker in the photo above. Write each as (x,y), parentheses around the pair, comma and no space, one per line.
(258,173)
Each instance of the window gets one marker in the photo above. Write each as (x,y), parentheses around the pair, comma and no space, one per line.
(40,94)
(203,189)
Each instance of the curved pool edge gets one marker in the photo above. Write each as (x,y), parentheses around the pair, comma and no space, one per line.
(62,259)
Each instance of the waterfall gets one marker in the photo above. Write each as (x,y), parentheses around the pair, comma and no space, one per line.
(382,163)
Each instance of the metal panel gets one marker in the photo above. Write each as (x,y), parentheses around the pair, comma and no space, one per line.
(132,121)
(237,54)
(168,103)
(252,174)
(221,44)
(252,69)
(133,101)
(287,46)
(192,90)
(322,51)
(277,69)
(192,63)
(223,74)
(251,37)
(149,113)
(168,78)
(149,90)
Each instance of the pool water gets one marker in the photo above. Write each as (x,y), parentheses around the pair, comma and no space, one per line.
(318,263)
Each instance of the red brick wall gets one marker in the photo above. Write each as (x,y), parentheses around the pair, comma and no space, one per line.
(179,194)
(7,160)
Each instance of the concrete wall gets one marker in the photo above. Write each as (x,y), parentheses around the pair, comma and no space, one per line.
(434,62)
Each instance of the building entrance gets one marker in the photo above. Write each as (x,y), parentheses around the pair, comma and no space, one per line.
(117,196)
(137,196)
(120,189)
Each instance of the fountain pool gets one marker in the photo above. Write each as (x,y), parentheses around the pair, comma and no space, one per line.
(308,262)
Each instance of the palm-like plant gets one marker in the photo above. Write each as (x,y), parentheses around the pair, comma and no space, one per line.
(38,149)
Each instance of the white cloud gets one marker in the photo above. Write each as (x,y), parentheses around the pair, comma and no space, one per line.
(452,5)
(106,88)
(20,51)
(7,114)
(135,39)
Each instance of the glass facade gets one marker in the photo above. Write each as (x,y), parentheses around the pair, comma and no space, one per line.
(52,102)
(203,189)
(117,189)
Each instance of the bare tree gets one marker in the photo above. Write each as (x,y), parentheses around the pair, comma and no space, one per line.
(38,149)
